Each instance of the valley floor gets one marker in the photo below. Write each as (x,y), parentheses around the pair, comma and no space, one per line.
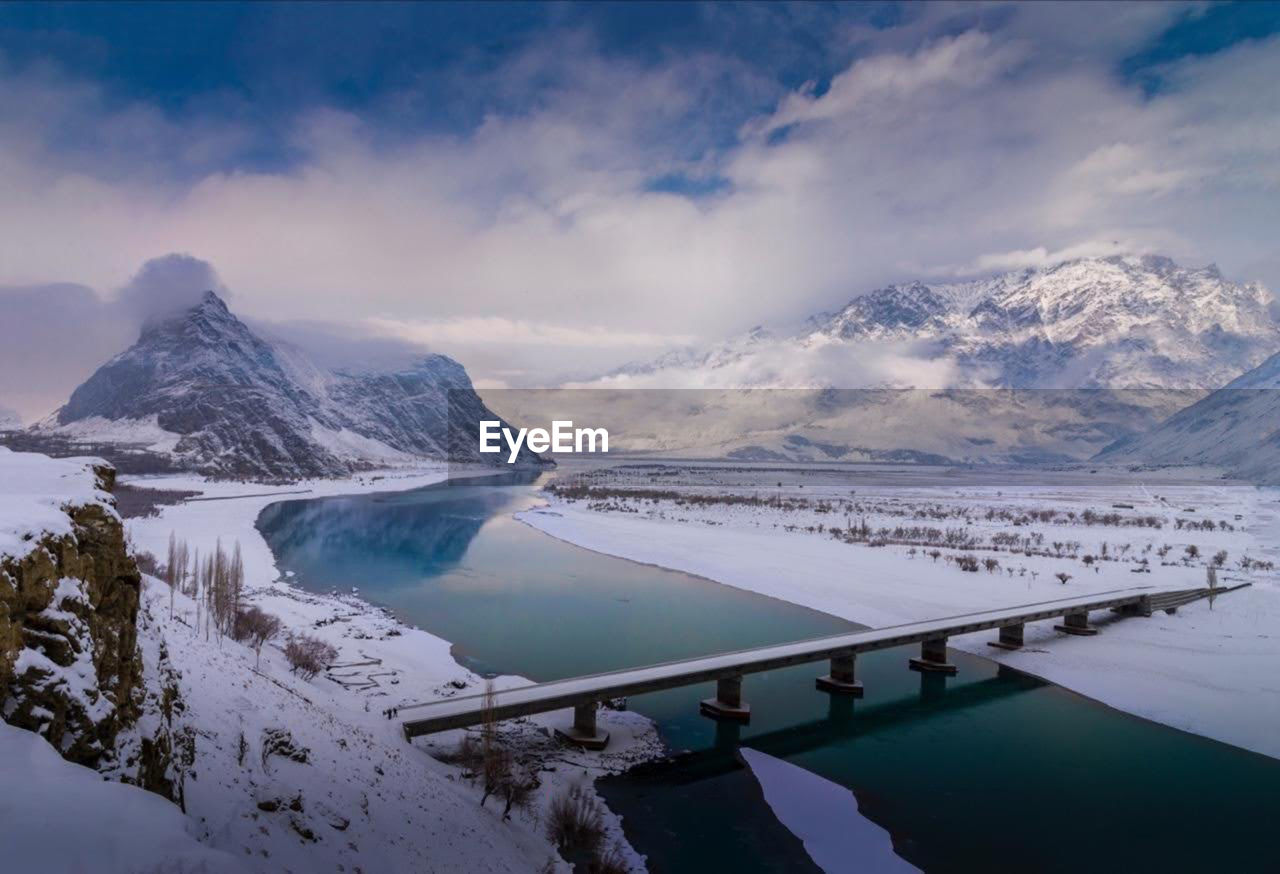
(363,799)
(1208,669)
(366,800)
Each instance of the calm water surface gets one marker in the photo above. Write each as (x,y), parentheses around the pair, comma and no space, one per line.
(985,770)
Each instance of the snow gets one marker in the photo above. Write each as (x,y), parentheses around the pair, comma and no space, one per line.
(36,490)
(1236,428)
(352,447)
(374,801)
(825,817)
(1108,322)
(1208,669)
(56,816)
(288,417)
(145,432)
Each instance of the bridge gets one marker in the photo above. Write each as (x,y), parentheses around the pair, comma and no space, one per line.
(584,694)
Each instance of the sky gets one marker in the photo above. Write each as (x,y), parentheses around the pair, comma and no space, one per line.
(546,191)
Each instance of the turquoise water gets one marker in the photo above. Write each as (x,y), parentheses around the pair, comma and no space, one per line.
(986,770)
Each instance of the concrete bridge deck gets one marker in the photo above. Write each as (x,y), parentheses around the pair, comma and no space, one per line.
(585,693)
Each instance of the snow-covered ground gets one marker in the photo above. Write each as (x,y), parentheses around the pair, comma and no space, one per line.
(825,817)
(145,433)
(368,800)
(59,816)
(1208,669)
(365,798)
(35,489)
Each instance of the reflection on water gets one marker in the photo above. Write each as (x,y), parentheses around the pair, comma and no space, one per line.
(966,772)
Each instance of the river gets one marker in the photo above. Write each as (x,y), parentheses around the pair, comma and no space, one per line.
(989,769)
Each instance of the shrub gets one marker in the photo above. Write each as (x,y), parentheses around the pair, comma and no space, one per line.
(308,655)
(574,822)
(149,564)
(611,861)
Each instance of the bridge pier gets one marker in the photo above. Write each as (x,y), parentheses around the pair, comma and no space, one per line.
(933,657)
(1141,608)
(728,703)
(1010,637)
(584,732)
(1077,623)
(841,680)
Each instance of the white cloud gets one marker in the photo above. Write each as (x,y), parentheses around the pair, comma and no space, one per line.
(495,330)
(1006,142)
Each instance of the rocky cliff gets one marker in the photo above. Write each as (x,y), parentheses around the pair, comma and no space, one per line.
(69,663)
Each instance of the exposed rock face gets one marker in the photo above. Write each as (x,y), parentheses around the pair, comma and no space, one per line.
(204,389)
(69,662)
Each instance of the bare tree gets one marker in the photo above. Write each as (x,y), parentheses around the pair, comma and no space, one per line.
(255,627)
(171,562)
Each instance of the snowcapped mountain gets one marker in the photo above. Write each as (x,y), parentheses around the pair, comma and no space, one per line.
(1122,342)
(9,420)
(1236,428)
(202,387)
(1116,322)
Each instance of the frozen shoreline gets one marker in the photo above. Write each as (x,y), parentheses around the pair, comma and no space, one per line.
(1206,671)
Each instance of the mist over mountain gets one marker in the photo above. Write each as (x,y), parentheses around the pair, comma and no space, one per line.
(1115,322)
(1236,428)
(1049,364)
(202,387)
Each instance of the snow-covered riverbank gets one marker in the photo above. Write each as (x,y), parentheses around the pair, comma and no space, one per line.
(369,800)
(1209,669)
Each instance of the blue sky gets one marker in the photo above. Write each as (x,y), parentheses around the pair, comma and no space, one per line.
(412,69)
(551,189)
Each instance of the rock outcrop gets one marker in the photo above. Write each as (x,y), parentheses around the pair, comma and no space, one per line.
(70,669)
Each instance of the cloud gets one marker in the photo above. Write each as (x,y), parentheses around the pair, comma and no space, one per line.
(960,139)
(784,364)
(53,336)
(51,339)
(496,330)
(167,285)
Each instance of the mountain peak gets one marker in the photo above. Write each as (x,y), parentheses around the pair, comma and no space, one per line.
(1118,321)
(220,399)
(211,299)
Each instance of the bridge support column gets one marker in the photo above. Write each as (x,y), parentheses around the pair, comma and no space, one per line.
(1010,637)
(933,657)
(728,703)
(1077,623)
(584,732)
(841,680)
